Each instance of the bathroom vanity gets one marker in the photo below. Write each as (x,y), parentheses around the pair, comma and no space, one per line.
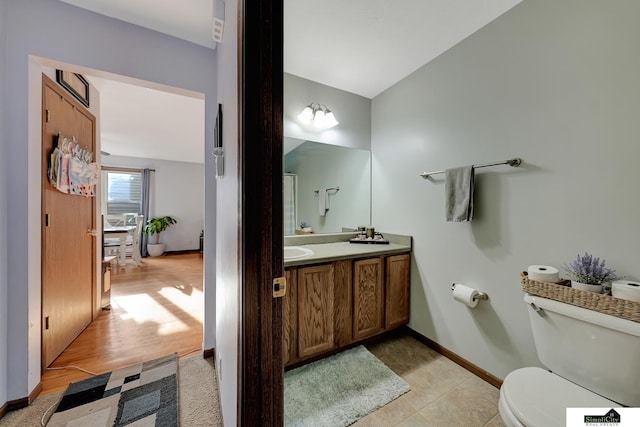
(340,293)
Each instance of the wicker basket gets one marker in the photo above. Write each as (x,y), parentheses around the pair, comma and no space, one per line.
(606,304)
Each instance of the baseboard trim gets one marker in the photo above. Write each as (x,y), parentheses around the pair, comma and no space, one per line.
(209,352)
(183,252)
(474,369)
(3,410)
(35,393)
(14,405)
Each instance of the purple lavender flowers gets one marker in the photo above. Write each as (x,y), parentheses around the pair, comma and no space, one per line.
(590,270)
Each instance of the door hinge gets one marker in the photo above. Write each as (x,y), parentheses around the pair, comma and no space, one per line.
(46,220)
(46,323)
(279,287)
(46,116)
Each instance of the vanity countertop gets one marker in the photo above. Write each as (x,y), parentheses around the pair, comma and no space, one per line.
(332,251)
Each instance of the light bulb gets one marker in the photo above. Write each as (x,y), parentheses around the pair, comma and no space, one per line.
(330,120)
(306,115)
(318,119)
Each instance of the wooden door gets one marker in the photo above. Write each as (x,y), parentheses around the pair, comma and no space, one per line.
(397,277)
(68,251)
(368,298)
(261,370)
(315,310)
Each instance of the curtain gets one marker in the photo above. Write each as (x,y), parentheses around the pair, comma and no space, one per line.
(144,207)
(289,208)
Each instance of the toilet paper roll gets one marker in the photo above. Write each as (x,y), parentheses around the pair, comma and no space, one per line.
(465,295)
(543,273)
(626,289)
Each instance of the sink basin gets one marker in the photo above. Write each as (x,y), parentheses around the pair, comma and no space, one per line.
(295,252)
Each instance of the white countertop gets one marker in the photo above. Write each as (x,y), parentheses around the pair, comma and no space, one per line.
(324,252)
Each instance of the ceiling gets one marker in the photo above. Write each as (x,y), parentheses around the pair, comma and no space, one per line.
(168,125)
(366,46)
(360,46)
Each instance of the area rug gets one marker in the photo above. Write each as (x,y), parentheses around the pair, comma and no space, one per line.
(339,390)
(141,395)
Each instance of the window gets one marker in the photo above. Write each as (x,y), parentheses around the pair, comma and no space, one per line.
(121,192)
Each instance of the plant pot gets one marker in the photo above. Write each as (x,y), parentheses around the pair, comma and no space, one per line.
(586,287)
(155,249)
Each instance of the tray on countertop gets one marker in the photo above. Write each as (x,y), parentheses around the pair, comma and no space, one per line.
(370,241)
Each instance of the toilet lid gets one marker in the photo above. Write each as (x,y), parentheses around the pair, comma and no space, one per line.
(539,398)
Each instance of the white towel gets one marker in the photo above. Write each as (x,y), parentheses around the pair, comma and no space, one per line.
(323,201)
(458,190)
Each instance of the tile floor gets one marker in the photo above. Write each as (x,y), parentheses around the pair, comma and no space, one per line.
(442,392)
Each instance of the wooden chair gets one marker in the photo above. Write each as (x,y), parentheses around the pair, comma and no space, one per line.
(115,220)
(135,241)
(111,245)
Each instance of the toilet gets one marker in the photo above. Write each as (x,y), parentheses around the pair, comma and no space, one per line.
(593,361)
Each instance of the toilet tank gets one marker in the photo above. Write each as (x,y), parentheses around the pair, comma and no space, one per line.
(595,350)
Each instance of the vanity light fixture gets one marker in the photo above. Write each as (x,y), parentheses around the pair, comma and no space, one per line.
(319,116)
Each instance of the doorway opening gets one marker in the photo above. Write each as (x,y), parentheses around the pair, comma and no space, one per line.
(163,299)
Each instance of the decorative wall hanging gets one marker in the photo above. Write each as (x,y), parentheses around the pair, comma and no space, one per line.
(75,84)
(71,170)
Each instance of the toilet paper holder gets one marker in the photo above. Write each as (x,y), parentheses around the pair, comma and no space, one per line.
(480,295)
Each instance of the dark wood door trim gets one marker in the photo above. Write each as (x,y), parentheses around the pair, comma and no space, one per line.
(261,356)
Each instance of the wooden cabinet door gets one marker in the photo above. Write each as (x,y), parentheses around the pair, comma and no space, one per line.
(315,310)
(290,324)
(397,279)
(68,251)
(343,307)
(368,298)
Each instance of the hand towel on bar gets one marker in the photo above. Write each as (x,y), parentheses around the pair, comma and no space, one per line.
(458,189)
(323,201)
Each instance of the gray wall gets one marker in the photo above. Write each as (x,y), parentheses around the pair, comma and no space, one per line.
(351,110)
(177,190)
(3,207)
(553,82)
(82,40)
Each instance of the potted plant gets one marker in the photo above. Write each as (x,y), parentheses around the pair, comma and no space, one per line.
(589,273)
(157,225)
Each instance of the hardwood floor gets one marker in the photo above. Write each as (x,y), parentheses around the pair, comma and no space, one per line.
(156,309)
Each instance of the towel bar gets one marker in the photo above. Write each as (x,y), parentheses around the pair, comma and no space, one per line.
(336,189)
(511,162)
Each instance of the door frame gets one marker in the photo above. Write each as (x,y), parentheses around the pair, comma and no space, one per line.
(261,387)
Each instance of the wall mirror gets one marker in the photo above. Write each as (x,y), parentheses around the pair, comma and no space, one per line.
(344,172)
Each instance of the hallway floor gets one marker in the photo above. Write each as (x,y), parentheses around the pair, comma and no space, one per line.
(156,309)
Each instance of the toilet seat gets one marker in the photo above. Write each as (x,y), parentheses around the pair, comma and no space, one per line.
(536,397)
